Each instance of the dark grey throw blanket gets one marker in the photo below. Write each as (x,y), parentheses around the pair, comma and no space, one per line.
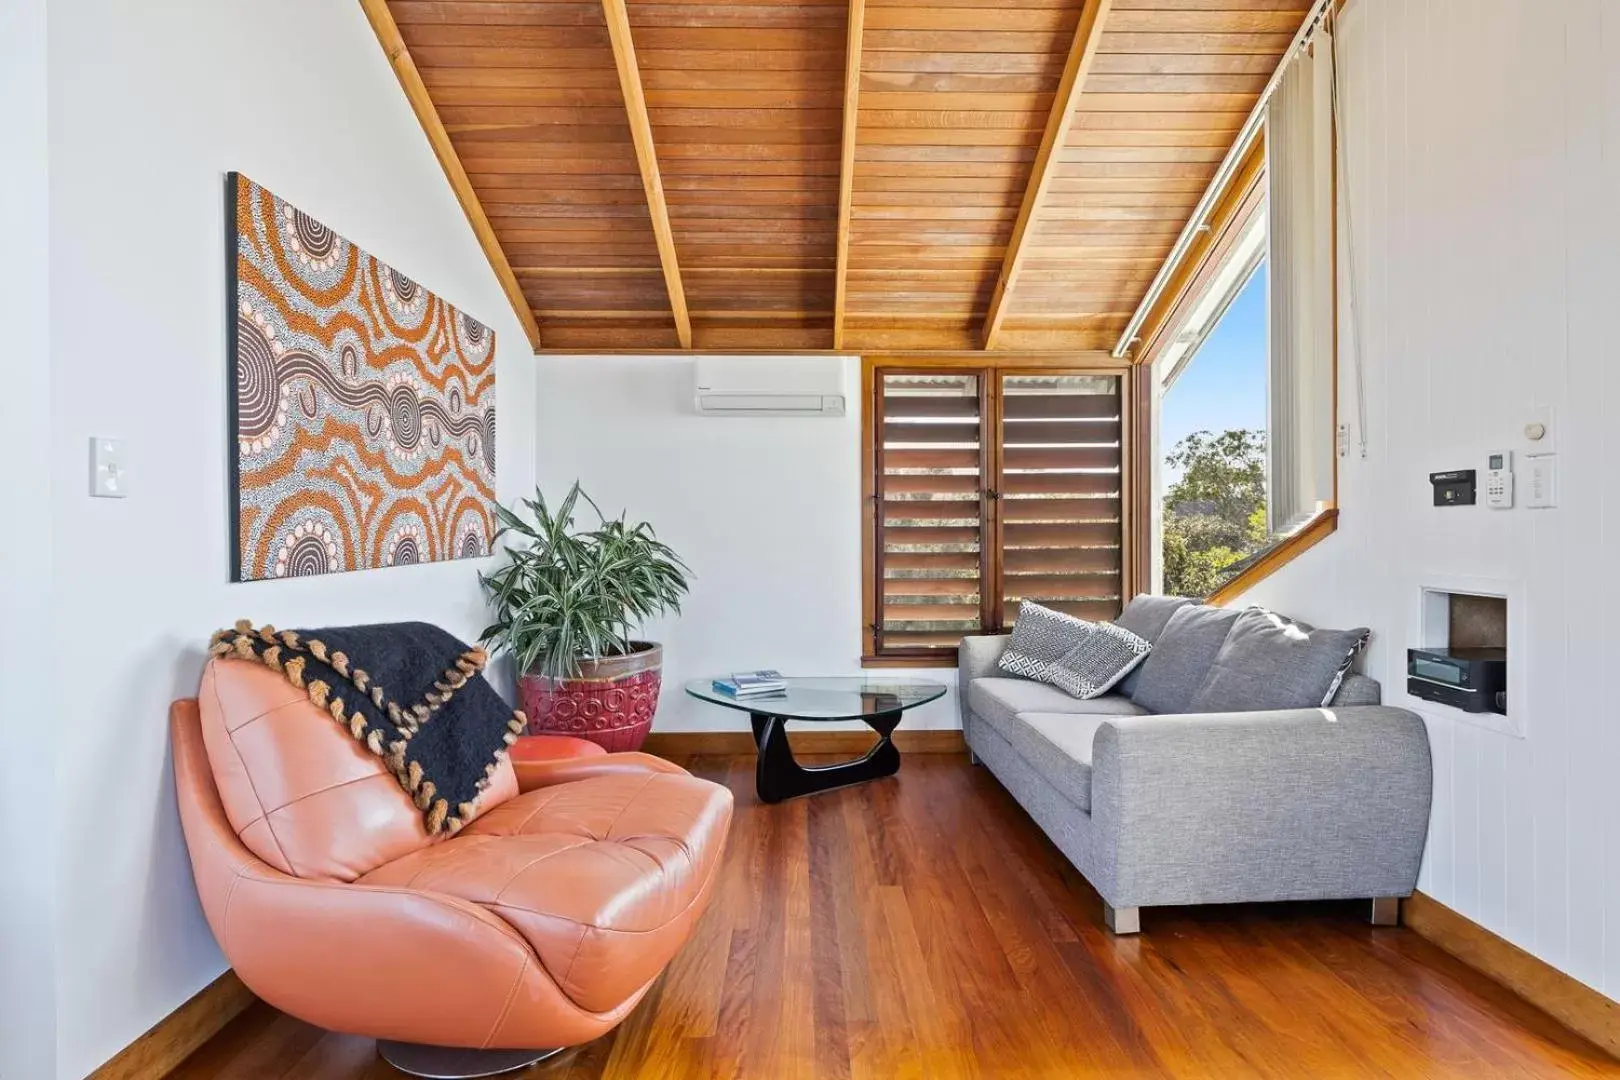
(409,692)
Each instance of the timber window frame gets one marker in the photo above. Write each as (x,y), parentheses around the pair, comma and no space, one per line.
(993,376)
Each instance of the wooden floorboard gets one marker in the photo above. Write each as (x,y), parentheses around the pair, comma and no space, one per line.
(923,927)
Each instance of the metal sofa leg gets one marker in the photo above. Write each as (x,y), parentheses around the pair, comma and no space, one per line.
(973,757)
(1386,911)
(1125,920)
(456,1063)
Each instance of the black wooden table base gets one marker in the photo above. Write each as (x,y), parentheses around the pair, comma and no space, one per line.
(779,776)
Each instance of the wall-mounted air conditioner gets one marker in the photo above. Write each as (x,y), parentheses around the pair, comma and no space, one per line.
(770,386)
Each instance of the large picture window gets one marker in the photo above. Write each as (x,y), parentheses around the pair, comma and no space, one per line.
(1245,367)
(987,488)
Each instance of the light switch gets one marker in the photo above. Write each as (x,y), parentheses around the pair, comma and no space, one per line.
(107,477)
(1541,486)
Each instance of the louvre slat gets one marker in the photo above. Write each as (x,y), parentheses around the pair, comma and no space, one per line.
(929,407)
(929,560)
(1061,560)
(930,613)
(897,536)
(1060,406)
(1060,510)
(1060,586)
(932,510)
(932,433)
(1070,535)
(1052,457)
(963,588)
(1089,432)
(931,458)
(1056,483)
(933,484)
(912,639)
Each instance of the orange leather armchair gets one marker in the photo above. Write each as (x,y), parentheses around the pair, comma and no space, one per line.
(539,925)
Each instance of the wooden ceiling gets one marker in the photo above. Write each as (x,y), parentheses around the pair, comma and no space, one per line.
(870,175)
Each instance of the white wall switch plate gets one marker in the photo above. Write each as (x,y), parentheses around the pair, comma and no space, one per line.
(1539,436)
(107,474)
(1541,482)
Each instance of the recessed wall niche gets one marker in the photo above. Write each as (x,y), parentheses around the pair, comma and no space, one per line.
(1472,619)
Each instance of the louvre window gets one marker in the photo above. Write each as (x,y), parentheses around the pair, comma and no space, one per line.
(990,488)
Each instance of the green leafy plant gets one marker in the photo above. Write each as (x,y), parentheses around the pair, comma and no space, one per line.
(568,594)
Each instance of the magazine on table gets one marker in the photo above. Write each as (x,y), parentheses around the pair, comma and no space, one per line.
(752,683)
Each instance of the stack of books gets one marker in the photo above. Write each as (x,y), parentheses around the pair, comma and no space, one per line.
(752,683)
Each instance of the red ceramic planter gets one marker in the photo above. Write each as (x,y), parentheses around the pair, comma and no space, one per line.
(611,702)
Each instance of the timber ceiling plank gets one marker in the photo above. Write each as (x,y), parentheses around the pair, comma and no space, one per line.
(1082,50)
(530,95)
(745,102)
(635,104)
(781,232)
(1173,82)
(953,101)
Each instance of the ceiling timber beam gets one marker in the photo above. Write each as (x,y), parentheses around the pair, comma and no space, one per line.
(1087,36)
(635,105)
(410,80)
(846,168)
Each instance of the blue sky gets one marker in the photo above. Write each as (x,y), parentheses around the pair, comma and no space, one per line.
(1225,384)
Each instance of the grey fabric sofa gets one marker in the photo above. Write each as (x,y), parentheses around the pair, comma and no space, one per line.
(1298,804)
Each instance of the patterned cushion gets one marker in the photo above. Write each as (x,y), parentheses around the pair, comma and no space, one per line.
(1106,656)
(1040,637)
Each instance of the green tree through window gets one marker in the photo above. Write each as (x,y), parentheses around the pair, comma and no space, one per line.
(1215,513)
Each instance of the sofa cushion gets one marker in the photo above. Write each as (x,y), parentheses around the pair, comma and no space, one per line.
(998,699)
(1145,617)
(602,877)
(1092,668)
(1175,670)
(1039,638)
(1058,746)
(1269,662)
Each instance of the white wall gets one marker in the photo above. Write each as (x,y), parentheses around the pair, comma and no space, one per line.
(27,736)
(150,105)
(766,510)
(1483,145)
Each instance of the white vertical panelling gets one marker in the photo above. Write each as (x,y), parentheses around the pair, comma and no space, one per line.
(1483,161)
(1589,323)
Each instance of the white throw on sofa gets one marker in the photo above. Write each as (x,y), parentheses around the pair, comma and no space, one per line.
(1199,808)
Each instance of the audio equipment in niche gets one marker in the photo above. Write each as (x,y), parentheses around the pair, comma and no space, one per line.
(1474,680)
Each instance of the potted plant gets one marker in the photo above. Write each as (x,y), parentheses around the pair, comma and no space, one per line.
(567,604)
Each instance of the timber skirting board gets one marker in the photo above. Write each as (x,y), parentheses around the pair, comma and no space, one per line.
(678,743)
(1569,1001)
(177,1036)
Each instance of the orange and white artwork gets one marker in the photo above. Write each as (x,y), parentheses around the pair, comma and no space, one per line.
(362,405)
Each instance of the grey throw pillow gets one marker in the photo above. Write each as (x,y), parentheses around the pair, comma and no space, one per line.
(1145,617)
(1175,670)
(1092,667)
(1039,637)
(1269,662)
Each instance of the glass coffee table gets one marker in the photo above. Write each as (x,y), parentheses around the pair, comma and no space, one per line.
(879,704)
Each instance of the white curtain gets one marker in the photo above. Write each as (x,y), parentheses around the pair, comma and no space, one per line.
(1299,170)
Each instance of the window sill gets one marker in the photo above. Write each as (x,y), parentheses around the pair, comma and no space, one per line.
(945,659)
(1284,552)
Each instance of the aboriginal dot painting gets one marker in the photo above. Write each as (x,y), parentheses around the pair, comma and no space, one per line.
(363,406)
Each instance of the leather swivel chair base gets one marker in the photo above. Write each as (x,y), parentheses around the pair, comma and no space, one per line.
(538,926)
(453,1063)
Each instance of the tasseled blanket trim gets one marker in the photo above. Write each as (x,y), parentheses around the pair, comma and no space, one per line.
(284,652)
